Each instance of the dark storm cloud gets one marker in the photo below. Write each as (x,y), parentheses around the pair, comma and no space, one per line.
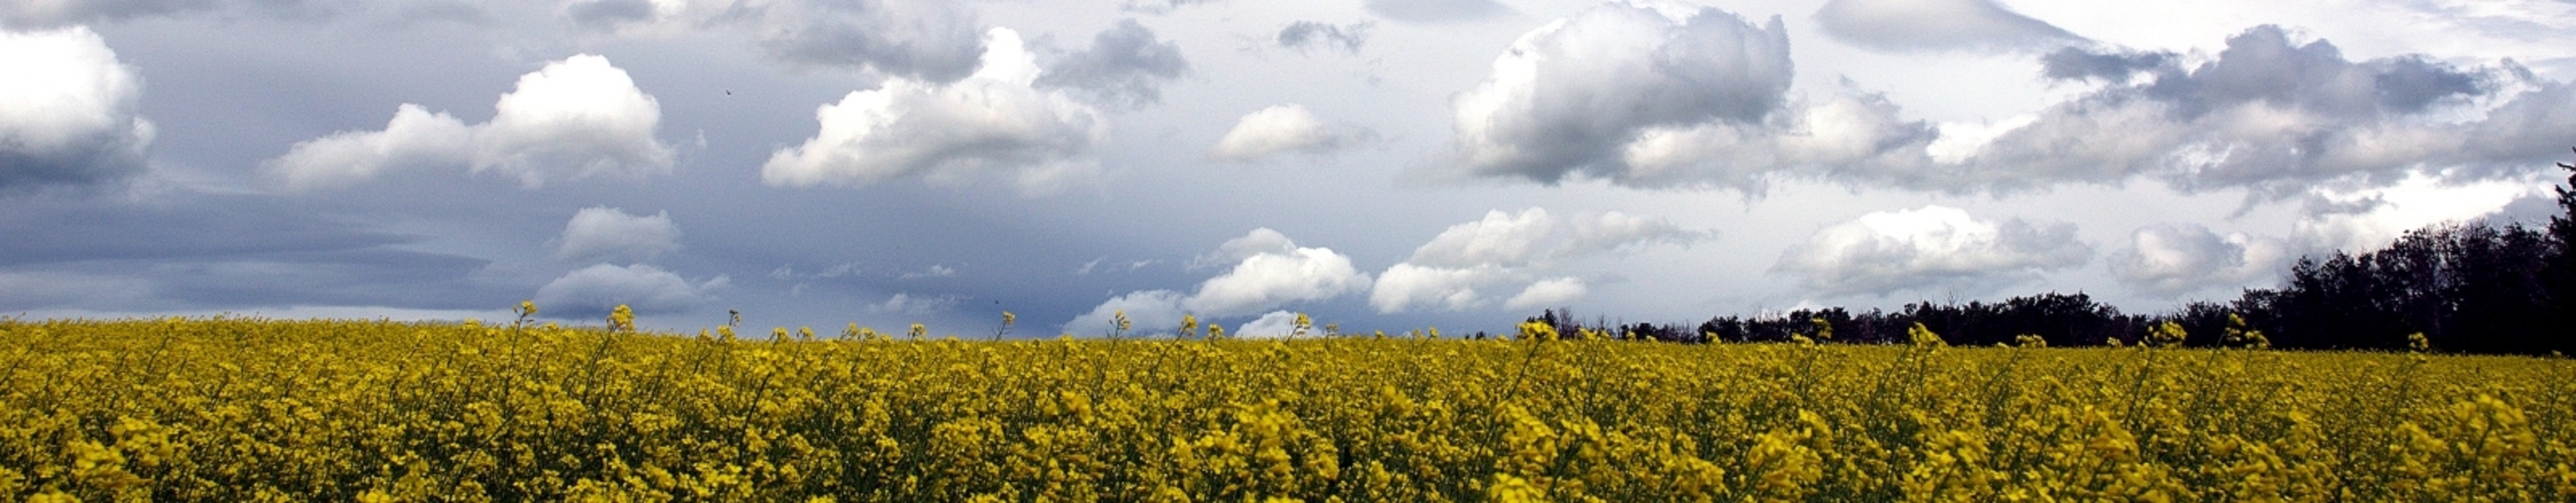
(1124,67)
(1935,25)
(1309,35)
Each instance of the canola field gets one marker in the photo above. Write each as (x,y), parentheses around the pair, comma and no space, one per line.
(230,409)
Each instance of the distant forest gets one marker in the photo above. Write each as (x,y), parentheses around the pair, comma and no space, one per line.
(2467,287)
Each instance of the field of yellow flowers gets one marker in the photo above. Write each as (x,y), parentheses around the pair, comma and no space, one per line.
(231,409)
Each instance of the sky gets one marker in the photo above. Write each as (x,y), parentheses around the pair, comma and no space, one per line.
(1380,164)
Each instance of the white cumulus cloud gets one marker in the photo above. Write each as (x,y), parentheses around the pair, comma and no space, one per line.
(1466,265)
(1289,128)
(993,120)
(1928,248)
(1268,272)
(1549,293)
(594,290)
(576,118)
(601,233)
(1273,325)
(67,111)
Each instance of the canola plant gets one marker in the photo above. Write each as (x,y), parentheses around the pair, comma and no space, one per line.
(230,409)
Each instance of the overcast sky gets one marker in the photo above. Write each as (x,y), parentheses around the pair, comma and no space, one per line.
(1382,164)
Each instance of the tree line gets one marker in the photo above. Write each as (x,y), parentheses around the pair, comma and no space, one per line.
(2476,287)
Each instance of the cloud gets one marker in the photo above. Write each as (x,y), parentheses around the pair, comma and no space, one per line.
(2171,259)
(991,121)
(1458,269)
(2114,66)
(1935,25)
(1268,271)
(595,290)
(2276,117)
(1272,325)
(1549,293)
(934,271)
(601,233)
(1148,312)
(1286,128)
(1435,11)
(2265,114)
(1160,6)
(1277,276)
(67,111)
(61,13)
(576,118)
(1124,67)
(925,40)
(1933,247)
(907,304)
(2358,219)
(1312,35)
(1569,96)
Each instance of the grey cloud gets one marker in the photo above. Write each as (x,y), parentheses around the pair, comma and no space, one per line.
(1308,35)
(46,14)
(2172,259)
(2113,66)
(594,291)
(195,251)
(2262,64)
(1604,78)
(932,40)
(1125,66)
(361,277)
(2266,114)
(602,233)
(2526,132)
(1435,11)
(1160,6)
(173,226)
(1935,25)
(939,48)
(2410,83)
(609,13)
